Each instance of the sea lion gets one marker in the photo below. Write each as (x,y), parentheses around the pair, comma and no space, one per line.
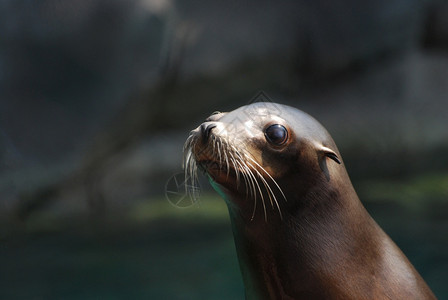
(300,229)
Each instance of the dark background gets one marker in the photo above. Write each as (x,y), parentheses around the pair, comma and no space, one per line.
(98,96)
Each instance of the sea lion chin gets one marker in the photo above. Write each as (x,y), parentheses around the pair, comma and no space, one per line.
(300,229)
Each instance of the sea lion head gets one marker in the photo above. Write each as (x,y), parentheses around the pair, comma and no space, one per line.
(300,230)
(262,156)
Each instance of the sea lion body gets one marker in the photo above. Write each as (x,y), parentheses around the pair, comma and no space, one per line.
(300,229)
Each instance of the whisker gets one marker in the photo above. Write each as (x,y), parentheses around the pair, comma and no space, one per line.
(270,192)
(218,146)
(190,168)
(251,182)
(259,190)
(273,180)
(254,192)
(237,172)
(245,176)
(227,163)
(269,175)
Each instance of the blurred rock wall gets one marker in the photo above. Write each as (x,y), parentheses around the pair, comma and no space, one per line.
(372,72)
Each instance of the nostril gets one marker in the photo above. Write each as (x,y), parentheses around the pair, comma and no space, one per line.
(206,129)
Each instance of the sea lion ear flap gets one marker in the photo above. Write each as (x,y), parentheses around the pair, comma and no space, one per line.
(330,154)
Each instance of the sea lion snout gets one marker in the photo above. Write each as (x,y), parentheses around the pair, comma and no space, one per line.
(206,129)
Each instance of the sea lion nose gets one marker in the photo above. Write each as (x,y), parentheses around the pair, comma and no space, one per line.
(206,128)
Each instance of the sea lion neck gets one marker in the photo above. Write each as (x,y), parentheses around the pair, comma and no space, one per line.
(272,251)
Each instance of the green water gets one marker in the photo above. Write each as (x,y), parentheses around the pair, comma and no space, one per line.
(161,260)
(160,252)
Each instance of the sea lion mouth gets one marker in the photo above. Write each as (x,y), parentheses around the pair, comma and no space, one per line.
(220,172)
(213,166)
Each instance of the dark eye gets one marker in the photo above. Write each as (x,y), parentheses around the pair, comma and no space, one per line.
(276,134)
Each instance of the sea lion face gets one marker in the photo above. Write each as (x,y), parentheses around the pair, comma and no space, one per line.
(253,151)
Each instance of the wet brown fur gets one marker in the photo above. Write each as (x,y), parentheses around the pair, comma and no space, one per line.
(324,244)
